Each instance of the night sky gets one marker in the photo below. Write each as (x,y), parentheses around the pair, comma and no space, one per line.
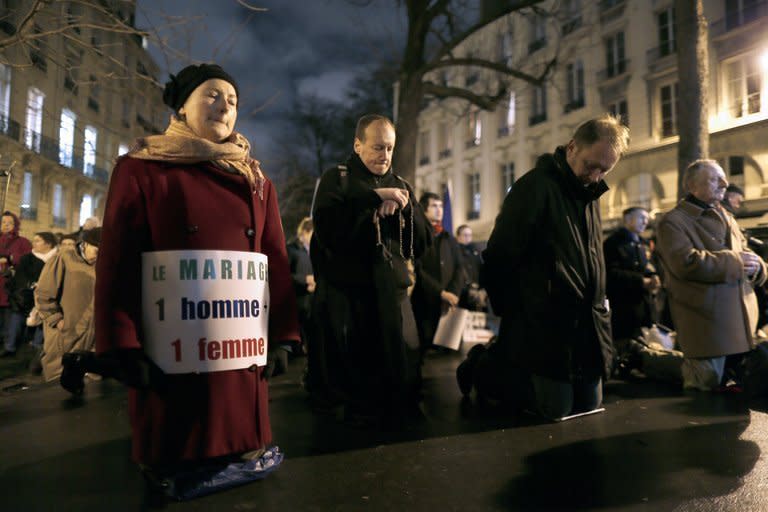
(295,47)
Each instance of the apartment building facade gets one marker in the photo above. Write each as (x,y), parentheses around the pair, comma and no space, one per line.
(74,94)
(614,56)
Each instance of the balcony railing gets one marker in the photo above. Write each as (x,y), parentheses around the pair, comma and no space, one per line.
(537,119)
(739,17)
(571,25)
(504,131)
(59,222)
(617,69)
(572,105)
(445,153)
(473,215)
(472,143)
(28,213)
(10,128)
(537,45)
(655,54)
(611,9)
(424,160)
(100,175)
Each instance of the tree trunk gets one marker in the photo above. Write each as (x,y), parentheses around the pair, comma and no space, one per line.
(693,84)
(408,109)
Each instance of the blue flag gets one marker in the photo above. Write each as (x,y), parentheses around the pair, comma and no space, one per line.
(447,214)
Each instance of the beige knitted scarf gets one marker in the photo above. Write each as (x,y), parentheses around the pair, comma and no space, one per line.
(181,145)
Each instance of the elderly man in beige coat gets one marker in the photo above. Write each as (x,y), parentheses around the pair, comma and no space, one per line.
(710,276)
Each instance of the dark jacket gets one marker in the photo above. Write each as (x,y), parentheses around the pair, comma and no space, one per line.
(20,285)
(545,275)
(627,264)
(12,247)
(301,267)
(471,261)
(440,268)
(363,330)
(344,229)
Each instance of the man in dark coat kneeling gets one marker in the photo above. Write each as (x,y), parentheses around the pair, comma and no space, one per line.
(545,275)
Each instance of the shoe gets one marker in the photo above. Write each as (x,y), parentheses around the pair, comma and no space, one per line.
(6,354)
(73,371)
(465,373)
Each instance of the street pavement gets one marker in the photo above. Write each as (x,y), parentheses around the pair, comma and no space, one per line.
(655,448)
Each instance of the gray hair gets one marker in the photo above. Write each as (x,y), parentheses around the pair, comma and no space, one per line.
(693,170)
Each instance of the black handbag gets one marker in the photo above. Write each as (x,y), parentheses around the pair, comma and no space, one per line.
(394,266)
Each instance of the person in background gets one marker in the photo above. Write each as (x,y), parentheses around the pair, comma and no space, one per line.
(632,280)
(21,295)
(68,241)
(302,274)
(732,199)
(64,299)
(472,296)
(710,274)
(440,274)
(12,248)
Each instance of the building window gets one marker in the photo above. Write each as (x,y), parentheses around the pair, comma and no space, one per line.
(615,61)
(424,148)
(444,140)
(744,84)
(93,98)
(666,20)
(122,149)
(669,106)
(474,128)
(506,47)
(740,12)
(571,16)
(619,110)
(27,208)
(538,105)
(474,196)
(537,32)
(507,178)
(67,137)
(86,208)
(32,136)
(59,220)
(574,73)
(89,150)
(507,116)
(5,91)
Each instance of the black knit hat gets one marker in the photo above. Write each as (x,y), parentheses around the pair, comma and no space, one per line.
(92,236)
(178,89)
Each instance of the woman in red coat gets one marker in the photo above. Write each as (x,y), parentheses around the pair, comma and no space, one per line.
(195,187)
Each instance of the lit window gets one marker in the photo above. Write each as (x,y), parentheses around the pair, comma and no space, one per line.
(507,178)
(5,92)
(89,151)
(67,137)
(122,149)
(86,208)
(474,196)
(34,128)
(744,84)
(669,109)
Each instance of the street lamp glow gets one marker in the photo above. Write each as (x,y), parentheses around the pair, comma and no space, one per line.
(764,61)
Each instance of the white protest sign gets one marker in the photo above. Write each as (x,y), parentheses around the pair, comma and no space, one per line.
(205,311)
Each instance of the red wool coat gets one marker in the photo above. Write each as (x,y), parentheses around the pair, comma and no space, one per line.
(158,206)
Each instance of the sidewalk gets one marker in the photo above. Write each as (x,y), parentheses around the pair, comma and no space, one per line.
(655,448)
(14,370)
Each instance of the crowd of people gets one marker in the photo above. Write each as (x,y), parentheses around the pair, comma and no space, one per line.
(362,288)
(46,295)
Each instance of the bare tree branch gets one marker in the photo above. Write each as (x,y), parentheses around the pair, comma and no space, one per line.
(484,101)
